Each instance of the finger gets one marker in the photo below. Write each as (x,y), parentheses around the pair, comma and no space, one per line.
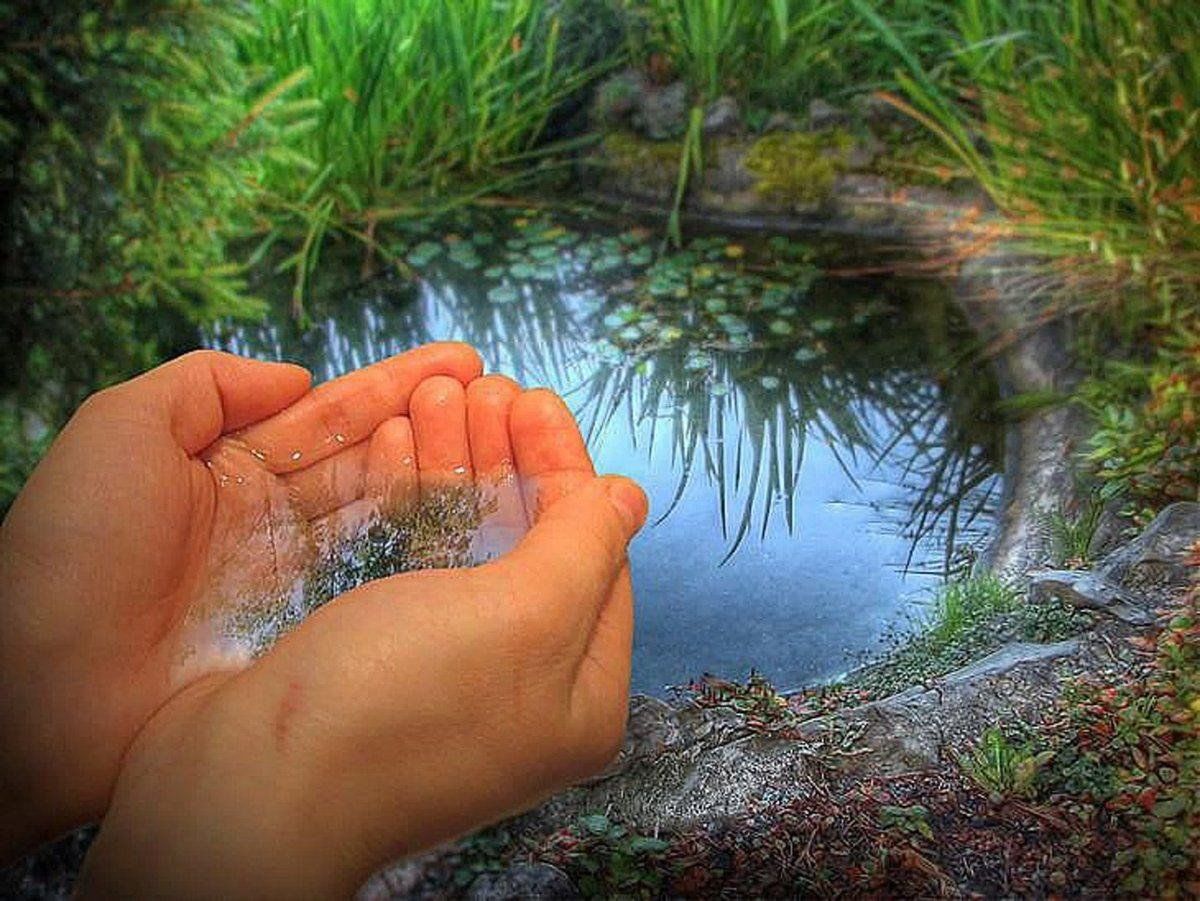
(489,401)
(206,393)
(552,459)
(349,409)
(439,421)
(392,481)
(569,562)
(330,483)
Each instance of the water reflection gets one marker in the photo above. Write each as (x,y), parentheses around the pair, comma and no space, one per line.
(805,493)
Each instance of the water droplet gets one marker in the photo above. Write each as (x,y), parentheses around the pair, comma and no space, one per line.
(339,438)
(296,455)
(406,460)
(241,480)
(258,455)
(460,470)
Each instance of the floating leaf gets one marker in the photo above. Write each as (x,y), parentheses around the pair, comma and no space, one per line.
(423,253)
(781,327)
(503,294)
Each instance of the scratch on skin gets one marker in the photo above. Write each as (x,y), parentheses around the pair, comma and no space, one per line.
(289,706)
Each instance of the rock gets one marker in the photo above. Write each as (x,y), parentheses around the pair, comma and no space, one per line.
(1158,558)
(1012,655)
(538,882)
(780,121)
(878,113)
(722,117)
(1088,590)
(618,98)
(823,116)
(865,151)
(662,112)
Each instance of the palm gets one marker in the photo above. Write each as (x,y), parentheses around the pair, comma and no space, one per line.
(105,575)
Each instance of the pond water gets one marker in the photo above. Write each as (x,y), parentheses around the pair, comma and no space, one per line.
(819,447)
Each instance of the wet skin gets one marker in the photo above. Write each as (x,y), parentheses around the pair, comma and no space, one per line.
(403,713)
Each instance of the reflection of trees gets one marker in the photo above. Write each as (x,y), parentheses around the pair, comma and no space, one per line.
(748,440)
(894,395)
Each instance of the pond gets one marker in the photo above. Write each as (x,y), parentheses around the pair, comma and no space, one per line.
(819,445)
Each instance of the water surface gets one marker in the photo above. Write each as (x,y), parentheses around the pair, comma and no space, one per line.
(819,448)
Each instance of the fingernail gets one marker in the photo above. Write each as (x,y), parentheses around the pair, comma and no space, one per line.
(630,500)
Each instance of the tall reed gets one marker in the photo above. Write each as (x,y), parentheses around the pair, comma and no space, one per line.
(419,101)
(1080,120)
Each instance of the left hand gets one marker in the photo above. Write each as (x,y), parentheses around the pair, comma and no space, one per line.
(120,534)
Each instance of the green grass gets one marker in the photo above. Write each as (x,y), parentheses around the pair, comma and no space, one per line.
(414,106)
(1004,767)
(966,620)
(779,54)
(963,603)
(1079,119)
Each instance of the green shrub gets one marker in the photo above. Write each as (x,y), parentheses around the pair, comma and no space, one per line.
(1088,120)
(1146,446)
(131,161)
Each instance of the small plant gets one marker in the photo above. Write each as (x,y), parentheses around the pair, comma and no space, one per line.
(912,820)
(965,602)
(487,851)
(764,709)
(1051,620)
(1146,447)
(1002,768)
(968,618)
(1071,535)
(606,860)
(1134,749)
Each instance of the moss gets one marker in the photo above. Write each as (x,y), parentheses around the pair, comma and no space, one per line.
(627,152)
(798,166)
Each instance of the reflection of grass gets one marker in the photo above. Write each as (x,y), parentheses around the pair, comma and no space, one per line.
(872,387)
(744,423)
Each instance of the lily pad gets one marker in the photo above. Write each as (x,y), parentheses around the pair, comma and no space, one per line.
(823,325)
(424,253)
(503,294)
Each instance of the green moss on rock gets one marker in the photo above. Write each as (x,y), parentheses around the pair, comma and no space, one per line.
(627,152)
(798,166)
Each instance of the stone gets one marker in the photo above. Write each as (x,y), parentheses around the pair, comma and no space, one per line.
(1159,556)
(618,98)
(878,113)
(864,152)
(1088,590)
(536,882)
(823,116)
(662,112)
(722,117)
(781,121)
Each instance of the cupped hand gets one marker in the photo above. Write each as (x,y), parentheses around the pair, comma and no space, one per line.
(414,707)
(122,532)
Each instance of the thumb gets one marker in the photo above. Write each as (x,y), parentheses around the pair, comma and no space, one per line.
(574,553)
(206,393)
